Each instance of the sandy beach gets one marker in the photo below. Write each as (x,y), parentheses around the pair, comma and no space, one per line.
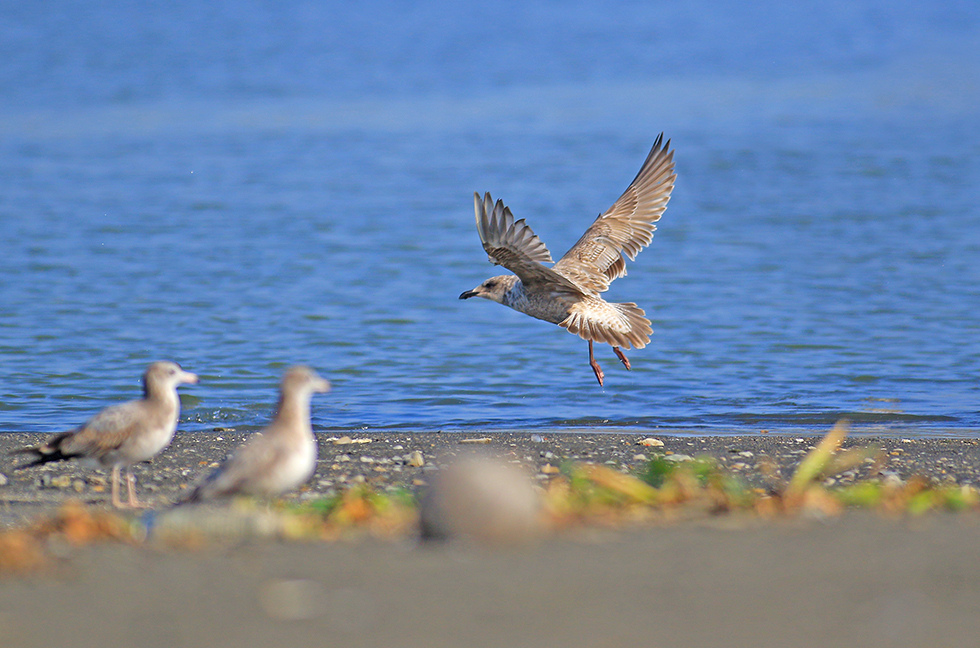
(382,460)
(861,578)
(858,580)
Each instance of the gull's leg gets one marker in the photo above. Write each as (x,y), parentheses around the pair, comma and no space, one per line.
(131,487)
(595,365)
(622,357)
(115,487)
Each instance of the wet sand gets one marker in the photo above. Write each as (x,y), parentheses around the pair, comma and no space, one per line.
(860,579)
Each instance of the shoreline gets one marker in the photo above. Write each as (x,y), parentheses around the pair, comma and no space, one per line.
(384,461)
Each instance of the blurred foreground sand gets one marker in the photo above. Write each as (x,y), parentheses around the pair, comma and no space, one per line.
(857,580)
(860,579)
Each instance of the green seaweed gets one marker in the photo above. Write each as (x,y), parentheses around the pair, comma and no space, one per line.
(658,470)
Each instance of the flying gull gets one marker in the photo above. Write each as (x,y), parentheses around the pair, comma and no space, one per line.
(282,456)
(126,434)
(568,293)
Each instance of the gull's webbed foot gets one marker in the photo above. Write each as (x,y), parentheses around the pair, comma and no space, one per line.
(622,357)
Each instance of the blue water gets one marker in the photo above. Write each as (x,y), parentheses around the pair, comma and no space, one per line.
(243,186)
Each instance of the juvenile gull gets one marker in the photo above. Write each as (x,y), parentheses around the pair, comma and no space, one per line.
(126,434)
(279,458)
(567,294)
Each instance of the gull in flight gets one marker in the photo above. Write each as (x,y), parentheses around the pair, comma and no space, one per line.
(568,293)
(125,434)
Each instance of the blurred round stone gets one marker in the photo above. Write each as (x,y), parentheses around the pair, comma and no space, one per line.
(483,500)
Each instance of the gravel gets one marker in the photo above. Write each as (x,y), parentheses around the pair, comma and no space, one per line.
(388,460)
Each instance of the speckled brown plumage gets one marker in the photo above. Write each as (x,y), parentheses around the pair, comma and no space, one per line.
(568,293)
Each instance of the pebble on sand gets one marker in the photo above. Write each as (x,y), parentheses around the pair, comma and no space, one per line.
(650,441)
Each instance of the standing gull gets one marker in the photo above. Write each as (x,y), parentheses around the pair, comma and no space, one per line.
(126,434)
(282,456)
(567,294)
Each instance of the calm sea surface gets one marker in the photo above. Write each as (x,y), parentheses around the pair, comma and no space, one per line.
(244,186)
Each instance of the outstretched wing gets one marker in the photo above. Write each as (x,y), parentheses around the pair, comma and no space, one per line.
(515,246)
(625,228)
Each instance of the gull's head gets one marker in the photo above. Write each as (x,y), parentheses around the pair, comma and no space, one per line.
(302,379)
(493,288)
(167,375)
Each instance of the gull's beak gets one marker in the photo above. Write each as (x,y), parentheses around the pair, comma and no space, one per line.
(468,294)
(188,378)
(321,386)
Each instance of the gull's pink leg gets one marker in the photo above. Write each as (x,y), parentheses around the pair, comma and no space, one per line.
(115,488)
(595,365)
(622,357)
(131,484)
